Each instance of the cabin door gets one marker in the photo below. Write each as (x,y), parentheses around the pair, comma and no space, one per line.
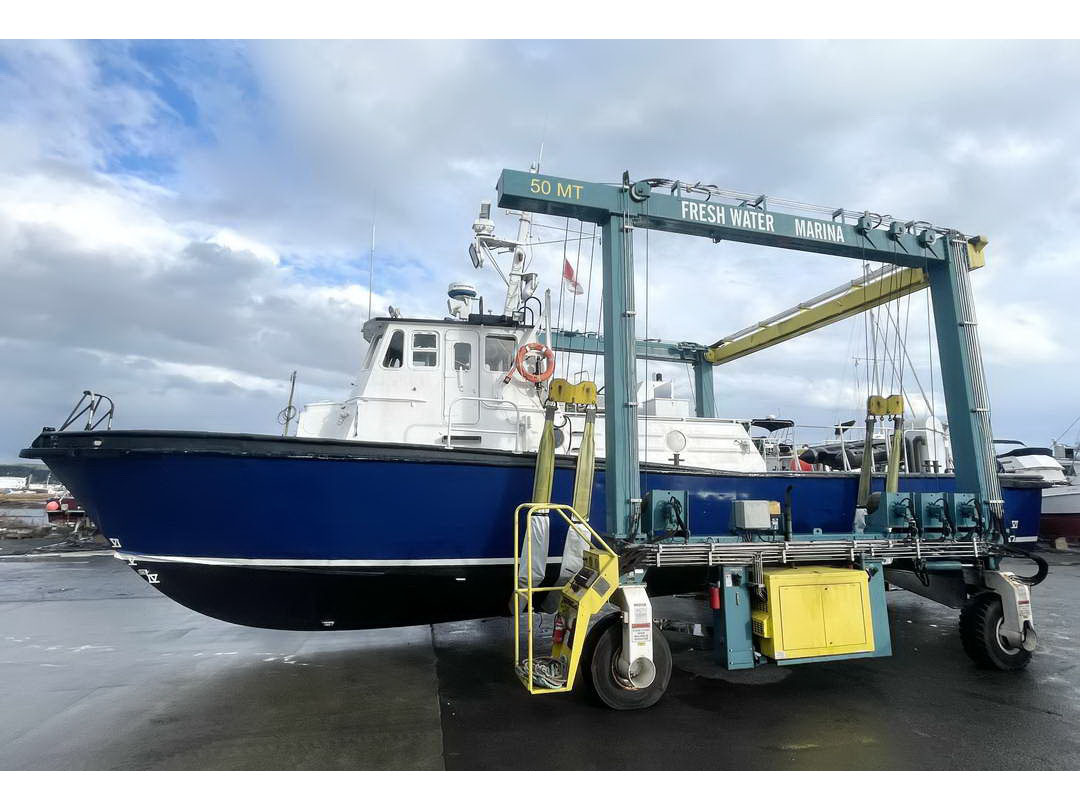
(461,381)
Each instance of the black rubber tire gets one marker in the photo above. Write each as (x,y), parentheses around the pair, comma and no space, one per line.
(602,647)
(600,626)
(980,619)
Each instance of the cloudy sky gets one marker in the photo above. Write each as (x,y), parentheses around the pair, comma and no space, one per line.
(182,225)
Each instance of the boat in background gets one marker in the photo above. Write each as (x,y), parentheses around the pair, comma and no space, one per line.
(64,508)
(1056,467)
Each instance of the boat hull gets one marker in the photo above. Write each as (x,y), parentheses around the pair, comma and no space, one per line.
(322,534)
(1061,512)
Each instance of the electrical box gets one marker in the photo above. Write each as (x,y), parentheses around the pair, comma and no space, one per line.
(814,611)
(930,510)
(889,511)
(753,516)
(733,639)
(664,514)
(963,507)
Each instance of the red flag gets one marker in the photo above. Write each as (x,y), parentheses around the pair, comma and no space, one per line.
(569,278)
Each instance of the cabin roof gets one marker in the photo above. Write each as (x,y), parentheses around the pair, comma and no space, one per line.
(500,321)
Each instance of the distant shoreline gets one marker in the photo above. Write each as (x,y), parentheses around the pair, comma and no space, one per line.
(27,499)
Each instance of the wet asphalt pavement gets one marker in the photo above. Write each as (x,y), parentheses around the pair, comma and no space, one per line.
(98,671)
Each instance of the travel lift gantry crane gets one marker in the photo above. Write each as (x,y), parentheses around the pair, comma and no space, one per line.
(775,596)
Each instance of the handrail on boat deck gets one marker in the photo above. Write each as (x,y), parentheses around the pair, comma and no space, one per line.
(485,401)
(92,402)
(844,443)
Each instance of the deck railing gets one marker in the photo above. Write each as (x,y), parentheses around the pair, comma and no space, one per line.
(498,403)
(88,405)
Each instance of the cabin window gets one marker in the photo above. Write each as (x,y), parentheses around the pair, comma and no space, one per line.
(425,349)
(372,351)
(395,350)
(462,356)
(499,352)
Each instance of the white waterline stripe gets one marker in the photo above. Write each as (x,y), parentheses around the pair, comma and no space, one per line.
(285,563)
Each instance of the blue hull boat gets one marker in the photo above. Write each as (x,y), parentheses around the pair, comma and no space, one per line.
(311,534)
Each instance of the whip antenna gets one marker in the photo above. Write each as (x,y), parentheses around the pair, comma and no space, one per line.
(371,255)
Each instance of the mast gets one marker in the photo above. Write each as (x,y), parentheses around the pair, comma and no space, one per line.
(521,255)
(519,283)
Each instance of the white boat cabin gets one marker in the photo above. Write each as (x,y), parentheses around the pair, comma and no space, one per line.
(443,383)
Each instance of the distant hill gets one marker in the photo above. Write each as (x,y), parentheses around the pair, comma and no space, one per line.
(38,472)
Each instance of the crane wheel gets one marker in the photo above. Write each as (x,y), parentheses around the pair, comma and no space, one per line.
(602,686)
(980,622)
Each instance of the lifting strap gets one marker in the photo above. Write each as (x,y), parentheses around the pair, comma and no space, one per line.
(577,536)
(866,466)
(892,471)
(542,481)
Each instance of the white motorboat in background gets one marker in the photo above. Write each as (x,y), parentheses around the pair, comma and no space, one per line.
(1056,466)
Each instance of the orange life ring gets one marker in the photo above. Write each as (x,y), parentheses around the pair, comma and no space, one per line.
(519,363)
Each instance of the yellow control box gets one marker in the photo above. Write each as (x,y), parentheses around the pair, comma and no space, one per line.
(814,611)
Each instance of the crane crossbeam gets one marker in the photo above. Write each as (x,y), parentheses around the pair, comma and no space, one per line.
(887,283)
(857,296)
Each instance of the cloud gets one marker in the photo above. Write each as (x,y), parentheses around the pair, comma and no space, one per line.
(185,223)
(1020,335)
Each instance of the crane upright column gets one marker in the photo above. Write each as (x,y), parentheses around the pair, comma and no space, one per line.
(704,393)
(964,380)
(621,471)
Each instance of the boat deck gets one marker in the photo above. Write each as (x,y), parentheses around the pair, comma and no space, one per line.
(100,671)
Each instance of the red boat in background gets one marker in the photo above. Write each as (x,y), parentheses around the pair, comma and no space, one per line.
(64,509)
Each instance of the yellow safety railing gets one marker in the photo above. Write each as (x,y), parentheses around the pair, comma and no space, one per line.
(586,601)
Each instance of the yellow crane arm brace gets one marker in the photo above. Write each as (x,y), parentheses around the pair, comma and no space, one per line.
(886,284)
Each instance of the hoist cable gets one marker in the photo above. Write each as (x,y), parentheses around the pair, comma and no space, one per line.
(577,266)
(914,374)
(562,278)
(599,326)
(901,337)
(588,299)
(873,385)
(896,364)
(843,369)
(866,330)
(892,359)
(627,235)
(889,364)
(1066,430)
(907,331)
(648,380)
(690,383)
(886,350)
(930,353)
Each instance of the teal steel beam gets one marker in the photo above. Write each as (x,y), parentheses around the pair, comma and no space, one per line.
(963,379)
(879,608)
(621,469)
(698,216)
(662,350)
(704,393)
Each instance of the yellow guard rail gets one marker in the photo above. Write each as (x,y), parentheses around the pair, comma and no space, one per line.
(585,593)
